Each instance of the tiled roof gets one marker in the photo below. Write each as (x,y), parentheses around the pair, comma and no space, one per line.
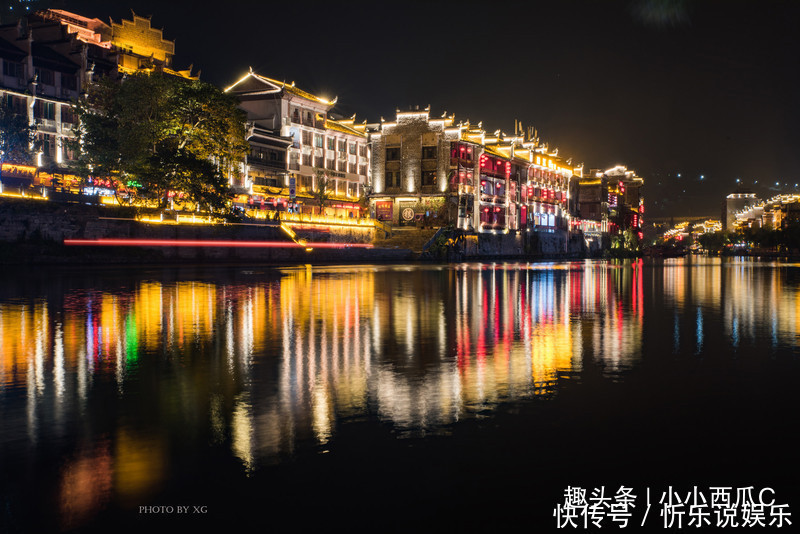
(331,124)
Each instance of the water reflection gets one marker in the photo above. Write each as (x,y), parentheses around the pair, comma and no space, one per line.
(257,362)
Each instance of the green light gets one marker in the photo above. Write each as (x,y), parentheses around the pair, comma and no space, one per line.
(131,339)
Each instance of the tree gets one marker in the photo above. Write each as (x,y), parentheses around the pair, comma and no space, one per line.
(323,192)
(16,136)
(162,134)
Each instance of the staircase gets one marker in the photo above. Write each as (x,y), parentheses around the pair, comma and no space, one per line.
(413,239)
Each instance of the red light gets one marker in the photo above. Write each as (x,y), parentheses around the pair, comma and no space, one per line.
(462,149)
(204,243)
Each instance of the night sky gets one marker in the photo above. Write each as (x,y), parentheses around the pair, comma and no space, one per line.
(666,87)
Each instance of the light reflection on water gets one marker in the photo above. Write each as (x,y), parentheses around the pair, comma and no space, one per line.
(258,361)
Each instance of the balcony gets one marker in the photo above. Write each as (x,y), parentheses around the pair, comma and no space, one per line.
(46,124)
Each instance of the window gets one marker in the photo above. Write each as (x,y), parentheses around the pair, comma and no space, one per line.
(45,76)
(11,68)
(318,141)
(306,138)
(69,81)
(351,168)
(307,159)
(342,166)
(44,110)
(296,116)
(331,143)
(331,164)
(343,146)
(392,179)
(69,153)
(428,177)
(14,103)
(362,151)
(68,115)
(257,153)
(429,152)
(362,170)
(393,154)
(353,148)
(318,161)
(46,144)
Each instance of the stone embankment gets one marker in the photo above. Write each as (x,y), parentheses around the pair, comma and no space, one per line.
(34,231)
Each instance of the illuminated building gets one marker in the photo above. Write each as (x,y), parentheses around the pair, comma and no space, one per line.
(612,198)
(538,188)
(411,169)
(775,213)
(48,60)
(45,68)
(317,148)
(736,202)
(137,45)
(490,183)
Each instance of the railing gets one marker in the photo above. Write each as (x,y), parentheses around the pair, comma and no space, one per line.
(385,228)
(306,218)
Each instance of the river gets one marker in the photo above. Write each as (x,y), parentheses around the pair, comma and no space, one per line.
(474,397)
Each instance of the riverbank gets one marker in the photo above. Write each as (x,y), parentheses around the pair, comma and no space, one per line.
(37,232)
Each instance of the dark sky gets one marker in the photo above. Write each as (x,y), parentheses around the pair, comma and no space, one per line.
(666,87)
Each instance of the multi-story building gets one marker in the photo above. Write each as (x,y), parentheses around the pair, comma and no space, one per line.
(487,183)
(48,60)
(302,142)
(411,166)
(612,199)
(740,200)
(137,45)
(775,213)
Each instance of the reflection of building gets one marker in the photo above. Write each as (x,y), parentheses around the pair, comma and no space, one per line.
(294,137)
(282,360)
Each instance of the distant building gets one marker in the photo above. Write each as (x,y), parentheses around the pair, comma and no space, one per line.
(738,201)
(775,213)
(612,198)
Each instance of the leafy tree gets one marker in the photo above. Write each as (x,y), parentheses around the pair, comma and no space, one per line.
(16,137)
(161,134)
(323,191)
(714,242)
